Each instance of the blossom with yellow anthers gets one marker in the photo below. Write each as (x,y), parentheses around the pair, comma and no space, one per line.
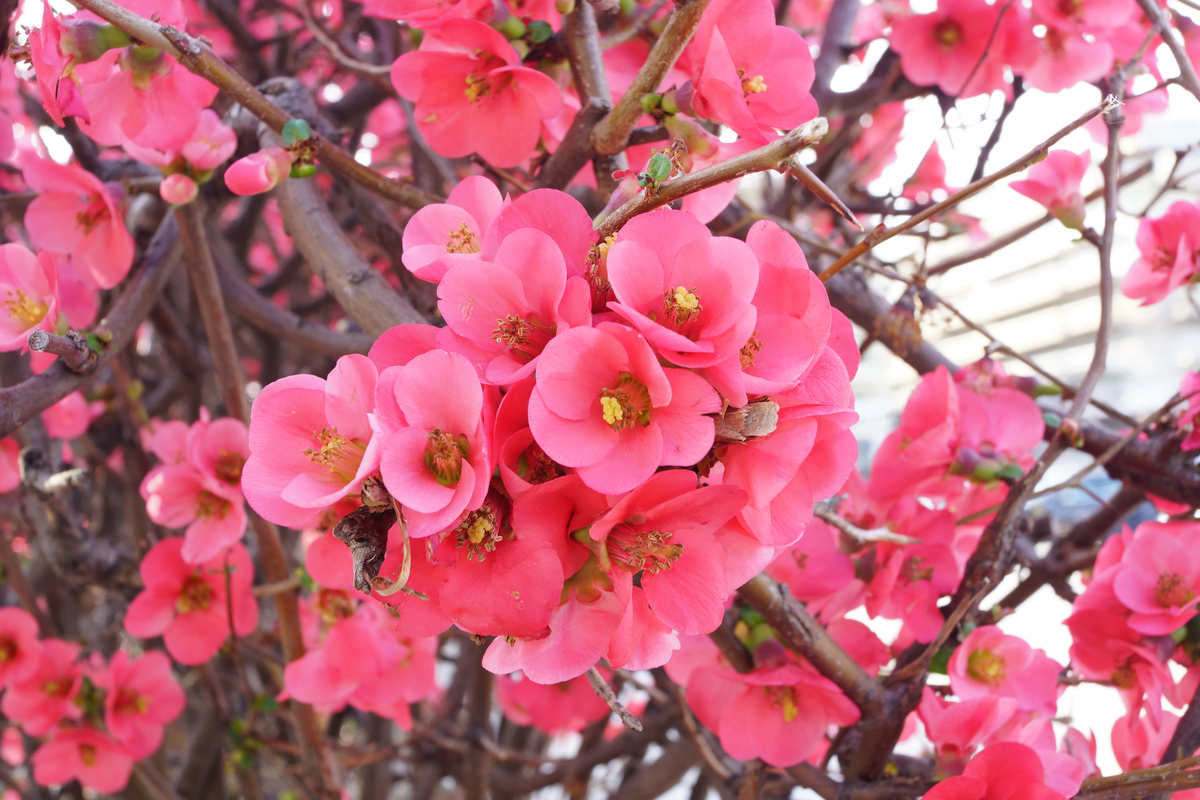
(24,308)
(463,240)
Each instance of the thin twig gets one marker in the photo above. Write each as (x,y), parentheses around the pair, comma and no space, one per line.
(606,694)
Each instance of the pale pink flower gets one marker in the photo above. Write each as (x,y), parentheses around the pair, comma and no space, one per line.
(473,96)
(929,177)
(85,754)
(1169,253)
(427,13)
(76,214)
(442,234)
(604,406)
(12,746)
(502,313)
(181,496)
(211,144)
(259,172)
(311,442)
(1159,577)
(436,461)
(47,696)
(178,189)
(1002,771)
(20,650)
(1054,182)
(956,729)
(10,467)
(749,73)
(989,662)
(1090,15)
(187,604)
(70,417)
(28,295)
(142,696)
(1066,57)
(688,292)
(556,709)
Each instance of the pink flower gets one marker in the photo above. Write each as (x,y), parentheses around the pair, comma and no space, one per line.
(1138,742)
(555,709)
(211,144)
(85,754)
(10,468)
(187,605)
(750,73)
(958,728)
(48,695)
(521,461)
(54,50)
(437,460)
(1002,771)
(28,295)
(1066,57)
(443,234)
(1159,577)
(1190,388)
(992,663)
(503,313)
(427,13)
(142,696)
(76,214)
(929,177)
(142,95)
(178,189)
(259,172)
(1087,14)
(604,406)
(688,292)
(944,47)
(1054,183)
(778,712)
(20,650)
(818,573)
(311,442)
(1168,254)
(70,417)
(1066,766)
(473,96)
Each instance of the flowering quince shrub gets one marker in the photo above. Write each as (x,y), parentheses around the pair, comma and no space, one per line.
(473,393)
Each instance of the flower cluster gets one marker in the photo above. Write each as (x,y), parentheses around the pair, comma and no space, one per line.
(94,718)
(589,378)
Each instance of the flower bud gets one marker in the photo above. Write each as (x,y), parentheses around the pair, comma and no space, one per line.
(683,99)
(178,189)
(650,102)
(259,172)
(87,39)
(564,6)
(512,28)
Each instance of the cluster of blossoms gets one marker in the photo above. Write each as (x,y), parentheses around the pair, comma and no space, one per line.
(94,717)
(553,452)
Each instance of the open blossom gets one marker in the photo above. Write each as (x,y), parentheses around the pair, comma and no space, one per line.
(604,406)
(311,442)
(1067,57)
(20,650)
(990,662)
(82,753)
(436,461)
(1003,771)
(187,604)
(76,214)
(28,295)
(1159,577)
(1190,388)
(56,48)
(473,96)
(1054,183)
(259,172)
(211,143)
(142,696)
(750,73)
(47,696)
(1170,249)
(559,708)
(442,234)
(958,728)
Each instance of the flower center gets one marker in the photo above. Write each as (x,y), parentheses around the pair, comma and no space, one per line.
(334,604)
(24,308)
(536,467)
(526,336)
(229,467)
(948,32)
(444,455)
(1170,591)
(636,550)
(8,650)
(479,533)
(784,698)
(750,350)
(682,305)
(986,667)
(130,702)
(626,404)
(1068,8)
(339,454)
(463,240)
(755,85)
(912,571)
(477,87)
(195,595)
(57,688)
(95,213)
(211,506)
(87,754)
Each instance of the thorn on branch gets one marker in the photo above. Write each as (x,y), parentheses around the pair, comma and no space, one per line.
(72,349)
(606,694)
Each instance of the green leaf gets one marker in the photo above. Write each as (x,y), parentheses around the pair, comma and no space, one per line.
(296,130)
(659,167)
(540,31)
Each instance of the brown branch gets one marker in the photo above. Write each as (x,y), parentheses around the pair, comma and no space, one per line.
(198,58)
(882,234)
(606,694)
(612,133)
(1161,19)
(835,40)
(72,349)
(648,783)
(23,402)
(771,156)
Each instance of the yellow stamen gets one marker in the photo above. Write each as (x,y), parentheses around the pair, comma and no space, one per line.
(613,413)
(24,308)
